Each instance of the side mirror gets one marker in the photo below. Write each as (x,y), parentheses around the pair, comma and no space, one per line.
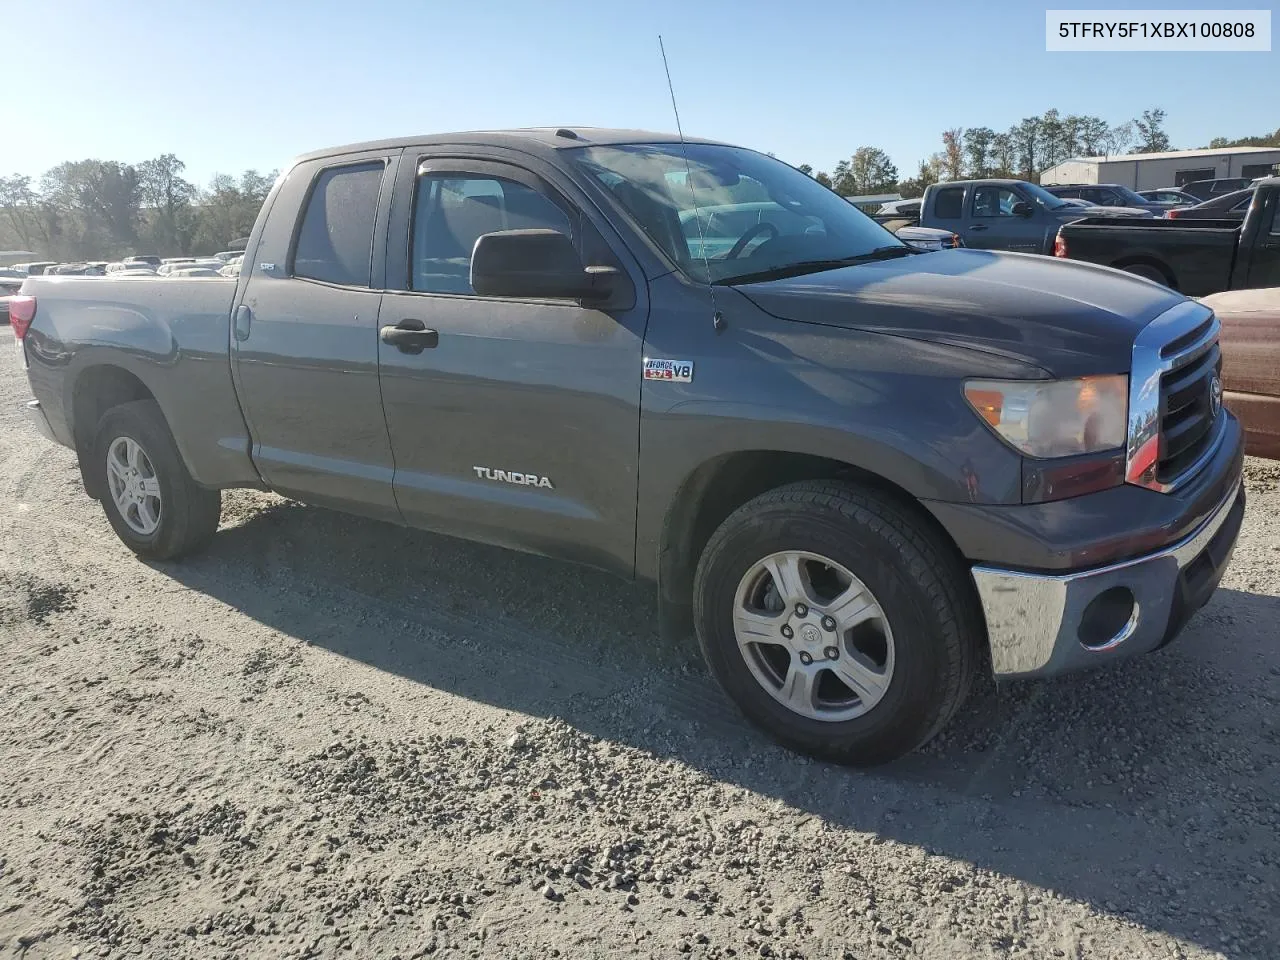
(1023,209)
(540,264)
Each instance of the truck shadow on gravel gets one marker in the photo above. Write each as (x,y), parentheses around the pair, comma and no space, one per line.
(1149,791)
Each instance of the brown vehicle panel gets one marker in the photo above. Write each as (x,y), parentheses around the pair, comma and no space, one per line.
(1251,364)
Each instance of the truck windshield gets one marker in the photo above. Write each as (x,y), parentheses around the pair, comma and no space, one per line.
(729,215)
(1044,197)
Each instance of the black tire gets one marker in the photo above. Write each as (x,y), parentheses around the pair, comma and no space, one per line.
(189,513)
(922,587)
(1147,272)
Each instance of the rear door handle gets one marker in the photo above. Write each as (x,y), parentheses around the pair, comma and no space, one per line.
(410,336)
(978,226)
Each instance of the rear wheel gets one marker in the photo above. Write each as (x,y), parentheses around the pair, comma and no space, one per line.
(835,621)
(1147,272)
(150,499)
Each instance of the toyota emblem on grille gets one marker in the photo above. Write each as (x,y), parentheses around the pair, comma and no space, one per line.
(1215,396)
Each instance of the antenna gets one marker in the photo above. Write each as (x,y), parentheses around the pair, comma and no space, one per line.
(717,318)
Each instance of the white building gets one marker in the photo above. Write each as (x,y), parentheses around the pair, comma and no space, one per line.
(1147,171)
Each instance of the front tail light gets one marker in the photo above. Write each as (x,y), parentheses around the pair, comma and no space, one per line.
(22,310)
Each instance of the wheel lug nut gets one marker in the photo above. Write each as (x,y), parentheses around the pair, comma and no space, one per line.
(831,653)
(801,610)
(787,631)
(828,623)
(806,659)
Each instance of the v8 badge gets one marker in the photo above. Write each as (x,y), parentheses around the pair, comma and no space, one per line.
(675,371)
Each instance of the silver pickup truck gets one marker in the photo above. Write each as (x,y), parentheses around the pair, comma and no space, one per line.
(861,473)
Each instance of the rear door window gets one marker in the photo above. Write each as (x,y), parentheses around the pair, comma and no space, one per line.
(335,239)
(949,204)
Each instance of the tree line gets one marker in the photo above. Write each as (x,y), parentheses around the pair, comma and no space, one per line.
(105,209)
(1024,152)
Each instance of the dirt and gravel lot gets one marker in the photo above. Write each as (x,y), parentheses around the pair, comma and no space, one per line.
(331,737)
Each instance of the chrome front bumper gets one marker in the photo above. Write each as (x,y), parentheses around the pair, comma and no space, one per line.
(1035,622)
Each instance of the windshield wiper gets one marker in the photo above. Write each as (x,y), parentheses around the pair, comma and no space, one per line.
(817,266)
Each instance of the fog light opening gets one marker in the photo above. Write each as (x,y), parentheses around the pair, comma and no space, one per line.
(1109,619)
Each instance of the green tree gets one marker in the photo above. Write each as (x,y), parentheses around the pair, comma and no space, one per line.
(1091,133)
(805,169)
(926,176)
(1003,154)
(869,170)
(99,201)
(1118,139)
(953,153)
(1026,141)
(166,200)
(1150,132)
(978,142)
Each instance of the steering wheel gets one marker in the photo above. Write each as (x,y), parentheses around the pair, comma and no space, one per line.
(752,232)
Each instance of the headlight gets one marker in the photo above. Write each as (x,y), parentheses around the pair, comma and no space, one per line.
(1054,418)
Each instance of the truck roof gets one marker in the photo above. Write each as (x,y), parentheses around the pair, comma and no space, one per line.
(530,139)
(961,183)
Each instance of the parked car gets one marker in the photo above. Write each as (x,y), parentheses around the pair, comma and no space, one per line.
(900,208)
(1195,256)
(34,268)
(169,267)
(1109,195)
(1229,206)
(1208,189)
(1251,363)
(9,286)
(1005,214)
(148,259)
(1171,196)
(860,472)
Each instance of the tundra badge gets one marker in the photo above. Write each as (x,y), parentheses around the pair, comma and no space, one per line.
(676,371)
(511,476)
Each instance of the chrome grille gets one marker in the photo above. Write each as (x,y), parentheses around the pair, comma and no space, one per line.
(1175,394)
(1187,412)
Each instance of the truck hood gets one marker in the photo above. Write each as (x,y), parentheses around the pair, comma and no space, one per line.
(1064,316)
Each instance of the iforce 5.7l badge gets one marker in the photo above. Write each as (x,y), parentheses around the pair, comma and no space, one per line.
(674,371)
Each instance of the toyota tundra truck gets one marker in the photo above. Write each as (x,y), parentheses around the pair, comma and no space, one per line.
(859,472)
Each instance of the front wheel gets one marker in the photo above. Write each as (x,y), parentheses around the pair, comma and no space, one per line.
(836,621)
(150,499)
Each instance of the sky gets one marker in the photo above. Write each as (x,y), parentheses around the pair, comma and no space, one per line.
(231,86)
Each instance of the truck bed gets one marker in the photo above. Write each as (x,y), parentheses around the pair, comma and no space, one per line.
(1196,257)
(181,324)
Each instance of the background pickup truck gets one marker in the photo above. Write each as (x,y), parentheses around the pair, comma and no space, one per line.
(1005,214)
(1195,257)
(861,473)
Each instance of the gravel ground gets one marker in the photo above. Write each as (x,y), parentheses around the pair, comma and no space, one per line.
(332,737)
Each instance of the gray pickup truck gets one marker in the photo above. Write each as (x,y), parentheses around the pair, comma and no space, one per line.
(1007,214)
(861,473)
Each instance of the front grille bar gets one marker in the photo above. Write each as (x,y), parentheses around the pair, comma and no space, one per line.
(1184,336)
